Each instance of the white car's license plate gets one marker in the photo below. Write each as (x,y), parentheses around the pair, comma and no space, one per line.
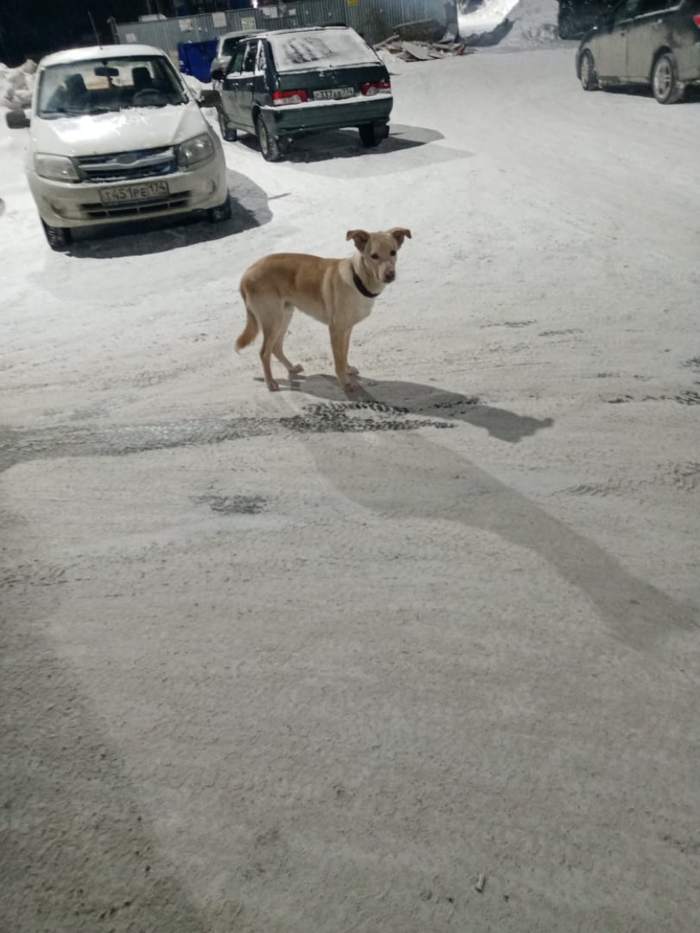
(334,93)
(142,192)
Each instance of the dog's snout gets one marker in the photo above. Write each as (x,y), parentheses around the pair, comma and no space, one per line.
(389,275)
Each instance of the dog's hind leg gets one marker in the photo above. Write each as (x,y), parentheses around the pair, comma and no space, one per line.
(274,320)
(278,348)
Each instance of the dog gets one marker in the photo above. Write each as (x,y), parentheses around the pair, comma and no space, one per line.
(337,292)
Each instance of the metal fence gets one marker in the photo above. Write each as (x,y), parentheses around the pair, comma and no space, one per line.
(374,20)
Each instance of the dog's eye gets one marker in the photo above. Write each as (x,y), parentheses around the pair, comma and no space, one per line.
(393,252)
(375,256)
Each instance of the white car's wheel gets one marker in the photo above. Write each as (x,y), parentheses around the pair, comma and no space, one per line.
(664,80)
(58,238)
(218,214)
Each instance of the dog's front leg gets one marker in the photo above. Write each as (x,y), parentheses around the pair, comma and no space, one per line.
(340,339)
(351,370)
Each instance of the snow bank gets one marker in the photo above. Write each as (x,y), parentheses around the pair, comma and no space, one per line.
(195,85)
(534,22)
(485,18)
(16,85)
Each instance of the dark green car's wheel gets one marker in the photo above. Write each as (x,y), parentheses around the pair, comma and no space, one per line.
(272,147)
(58,238)
(587,72)
(664,80)
(229,133)
(371,134)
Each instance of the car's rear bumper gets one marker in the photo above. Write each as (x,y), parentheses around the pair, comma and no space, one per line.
(332,114)
(62,204)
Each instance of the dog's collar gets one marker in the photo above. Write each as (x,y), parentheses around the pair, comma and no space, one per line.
(361,287)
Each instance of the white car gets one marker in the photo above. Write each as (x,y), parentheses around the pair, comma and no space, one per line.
(114,135)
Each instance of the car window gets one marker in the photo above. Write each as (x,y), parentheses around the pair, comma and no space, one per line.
(237,60)
(229,46)
(251,51)
(626,11)
(320,49)
(108,84)
(651,6)
(260,60)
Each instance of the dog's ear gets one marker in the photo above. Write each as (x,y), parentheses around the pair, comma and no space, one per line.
(400,234)
(359,237)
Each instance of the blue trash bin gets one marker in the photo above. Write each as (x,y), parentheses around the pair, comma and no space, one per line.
(196,58)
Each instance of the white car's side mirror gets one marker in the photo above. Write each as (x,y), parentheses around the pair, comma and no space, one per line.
(17,119)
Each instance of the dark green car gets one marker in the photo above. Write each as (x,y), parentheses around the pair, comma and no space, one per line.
(292,82)
(644,42)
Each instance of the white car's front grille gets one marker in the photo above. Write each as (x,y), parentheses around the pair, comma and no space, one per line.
(128,166)
(137,208)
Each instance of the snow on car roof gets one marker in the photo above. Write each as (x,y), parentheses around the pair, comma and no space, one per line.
(92,52)
(238,34)
(317,49)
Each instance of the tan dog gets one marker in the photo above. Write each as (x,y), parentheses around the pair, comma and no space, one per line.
(337,292)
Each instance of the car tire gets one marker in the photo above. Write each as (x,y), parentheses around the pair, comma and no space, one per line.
(58,238)
(271,147)
(587,72)
(371,134)
(217,215)
(666,87)
(228,132)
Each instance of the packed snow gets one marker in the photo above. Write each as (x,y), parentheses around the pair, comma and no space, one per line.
(292,662)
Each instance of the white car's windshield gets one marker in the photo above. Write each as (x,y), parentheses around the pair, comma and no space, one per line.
(108,84)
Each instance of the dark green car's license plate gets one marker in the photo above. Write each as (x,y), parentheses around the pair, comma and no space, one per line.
(334,93)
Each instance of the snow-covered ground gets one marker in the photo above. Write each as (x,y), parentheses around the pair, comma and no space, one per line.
(288,663)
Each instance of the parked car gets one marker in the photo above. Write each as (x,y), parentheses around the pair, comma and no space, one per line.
(115,135)
(225,48)
(644,42)
(295,81)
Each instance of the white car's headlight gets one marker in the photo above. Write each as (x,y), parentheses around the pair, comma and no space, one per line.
(55,167)
(195,150)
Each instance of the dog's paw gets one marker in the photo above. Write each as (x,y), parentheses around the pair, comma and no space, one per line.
(273,385)
(353,371)
(295,370)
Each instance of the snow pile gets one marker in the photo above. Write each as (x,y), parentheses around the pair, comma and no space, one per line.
(485,18)
(534,23)
(16,85)
(196,86)
(511,23)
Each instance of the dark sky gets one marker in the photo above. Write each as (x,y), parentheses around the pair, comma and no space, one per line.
(30,28)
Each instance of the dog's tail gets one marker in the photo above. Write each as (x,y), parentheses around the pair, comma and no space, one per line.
(250,331)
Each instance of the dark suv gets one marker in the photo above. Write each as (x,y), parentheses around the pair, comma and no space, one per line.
(291,82)
(644,42)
